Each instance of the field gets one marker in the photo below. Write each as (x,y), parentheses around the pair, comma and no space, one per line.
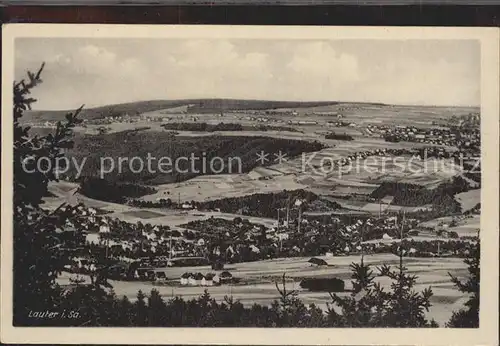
(301,172)
(143,214)
(134,108)
(363,178)
(387,114)
(294,173)
(66,192)
(468,227)
(258,280)
(212,187)
(469,199)
(465,227)
(358,112)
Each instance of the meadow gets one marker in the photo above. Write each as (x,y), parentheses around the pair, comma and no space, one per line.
(258,279)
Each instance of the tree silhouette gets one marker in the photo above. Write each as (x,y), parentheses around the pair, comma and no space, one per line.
(369,305)
(39,236)
(468,317)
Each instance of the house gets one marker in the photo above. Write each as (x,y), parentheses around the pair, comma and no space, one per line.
(208,280)
(225,276)
(283,236)
(191,280)
(187,206)
(444,234)
(104,228)
(92,238)
(254,249)
(160,276)
(317,262)
(184,278)
(198,277)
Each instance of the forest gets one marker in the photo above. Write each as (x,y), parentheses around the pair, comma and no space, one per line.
(235,152)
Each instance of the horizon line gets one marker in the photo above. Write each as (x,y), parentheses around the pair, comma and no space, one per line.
(261,100)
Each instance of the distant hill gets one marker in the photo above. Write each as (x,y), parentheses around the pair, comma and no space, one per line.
(131,108)
(225,105)
(217,105)
(193,106)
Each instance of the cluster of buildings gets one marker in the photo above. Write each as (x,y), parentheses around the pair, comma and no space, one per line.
(340,123)
(282,112)
(155,247)
(126,118)
(435,136)
(302,122)
(153,118)
(466,120)
(107,120)
(327,114)
(127,241)
(259,119)
(82,264)
(361,155)
(210,279)
(46,124)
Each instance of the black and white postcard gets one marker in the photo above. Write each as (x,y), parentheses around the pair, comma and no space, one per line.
(266,185)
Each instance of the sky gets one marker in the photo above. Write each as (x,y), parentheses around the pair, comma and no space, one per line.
(101,71)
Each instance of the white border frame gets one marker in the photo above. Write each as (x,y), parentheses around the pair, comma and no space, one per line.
(487,334)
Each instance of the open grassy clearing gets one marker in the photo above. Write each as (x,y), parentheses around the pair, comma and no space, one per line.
(469,199)
(387,114)
(222,186)
(468,227)
(465,227)
(364,176)
(289,176)
(372,208)
(66,192)
(143,214)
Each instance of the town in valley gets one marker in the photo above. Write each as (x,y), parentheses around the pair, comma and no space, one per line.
(264,197)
